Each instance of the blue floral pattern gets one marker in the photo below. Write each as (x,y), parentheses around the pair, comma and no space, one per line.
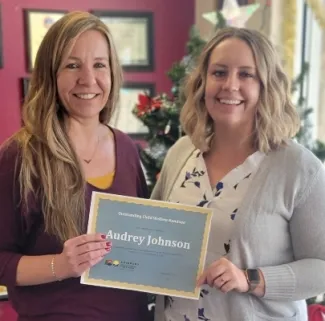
(193,187)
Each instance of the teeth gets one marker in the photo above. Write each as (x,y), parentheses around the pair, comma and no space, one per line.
(229,102)
(86,96)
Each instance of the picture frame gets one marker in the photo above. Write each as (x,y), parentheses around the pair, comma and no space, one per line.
(1,40)
(3,292)
(24,85)
(123,118)
(133,36)
(37,22)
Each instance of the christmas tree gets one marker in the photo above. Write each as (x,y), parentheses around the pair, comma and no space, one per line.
(304,136)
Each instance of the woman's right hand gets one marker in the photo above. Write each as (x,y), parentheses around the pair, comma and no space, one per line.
(79,254)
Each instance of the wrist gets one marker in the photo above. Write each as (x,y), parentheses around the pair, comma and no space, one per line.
(55,266)
(255,281)
(252,278)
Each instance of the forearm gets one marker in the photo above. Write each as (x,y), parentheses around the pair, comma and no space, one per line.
(294,281)
(34,270)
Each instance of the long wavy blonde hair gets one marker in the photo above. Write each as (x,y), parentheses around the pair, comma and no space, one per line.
(50,171)
(276,117)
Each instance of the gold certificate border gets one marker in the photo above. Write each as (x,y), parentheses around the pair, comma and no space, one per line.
(96,197)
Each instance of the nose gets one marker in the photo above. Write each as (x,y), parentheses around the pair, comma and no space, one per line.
(231,82)
(87,76)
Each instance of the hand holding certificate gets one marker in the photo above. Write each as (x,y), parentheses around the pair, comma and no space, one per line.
(157,247)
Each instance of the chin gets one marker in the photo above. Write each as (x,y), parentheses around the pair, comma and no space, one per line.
(227,120)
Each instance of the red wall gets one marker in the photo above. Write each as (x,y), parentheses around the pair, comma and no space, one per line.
(172,21)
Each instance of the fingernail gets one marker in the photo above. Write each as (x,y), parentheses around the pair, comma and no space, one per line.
(103,236)
(108,248)
(108,243)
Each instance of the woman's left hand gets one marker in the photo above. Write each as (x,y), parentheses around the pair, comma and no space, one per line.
(225,276)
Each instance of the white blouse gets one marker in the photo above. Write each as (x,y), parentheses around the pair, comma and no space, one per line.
(193,187)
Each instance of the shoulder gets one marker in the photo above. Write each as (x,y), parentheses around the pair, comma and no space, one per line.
(180,150)
(295,168)
(124,142)
(294,157)
(10,154)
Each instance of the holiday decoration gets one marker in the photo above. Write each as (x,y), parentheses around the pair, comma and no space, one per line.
(233,14)
(289,34)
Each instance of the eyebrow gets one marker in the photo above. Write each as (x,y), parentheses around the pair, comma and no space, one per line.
(96,58)
(241,67)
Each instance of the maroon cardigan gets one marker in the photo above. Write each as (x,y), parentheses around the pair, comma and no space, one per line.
(23,234)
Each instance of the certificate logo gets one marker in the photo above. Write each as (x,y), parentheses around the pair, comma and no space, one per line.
(116,263)
(108,262)
(121,264)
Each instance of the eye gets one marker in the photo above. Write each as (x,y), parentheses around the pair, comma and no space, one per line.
(246,74)
(219,73)
(72,66)
(99,65)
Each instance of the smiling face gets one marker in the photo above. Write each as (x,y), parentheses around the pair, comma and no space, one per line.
(232,84)
(84,77)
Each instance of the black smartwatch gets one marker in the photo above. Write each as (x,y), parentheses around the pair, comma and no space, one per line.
(253,278)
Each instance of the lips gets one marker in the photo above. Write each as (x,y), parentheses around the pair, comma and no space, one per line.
(86,96)
(229,101)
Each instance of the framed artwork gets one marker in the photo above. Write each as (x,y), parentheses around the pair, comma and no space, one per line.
(3,292)
(123,118)
(37,22)
(1,41)
(132,34)
(24,86)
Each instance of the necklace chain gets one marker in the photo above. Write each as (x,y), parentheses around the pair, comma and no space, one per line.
(88,161)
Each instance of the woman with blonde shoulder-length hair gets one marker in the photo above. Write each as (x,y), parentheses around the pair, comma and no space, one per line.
(265,252)
(48,170)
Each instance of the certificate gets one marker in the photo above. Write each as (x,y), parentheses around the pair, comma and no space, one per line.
(157,247)
(132,32)
(37,23)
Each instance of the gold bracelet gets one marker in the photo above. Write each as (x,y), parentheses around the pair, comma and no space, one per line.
(53,269)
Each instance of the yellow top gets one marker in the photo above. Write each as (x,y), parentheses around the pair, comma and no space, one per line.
(102,182)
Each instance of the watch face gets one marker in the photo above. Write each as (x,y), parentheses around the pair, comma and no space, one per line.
(253,275)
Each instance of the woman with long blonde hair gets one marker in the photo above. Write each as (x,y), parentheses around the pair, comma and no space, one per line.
(266,251)
(50,167)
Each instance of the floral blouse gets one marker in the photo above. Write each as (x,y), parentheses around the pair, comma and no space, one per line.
(193,187)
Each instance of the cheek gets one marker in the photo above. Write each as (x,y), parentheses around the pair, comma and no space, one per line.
(211,87)
(208,93)
(105,80)
(255,96)
(60,89)
(254,91)
(64,85)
